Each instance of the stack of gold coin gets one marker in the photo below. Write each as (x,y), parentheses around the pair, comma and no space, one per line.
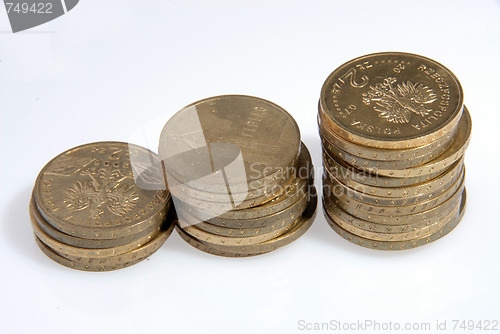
(394,131)
(90,212)
(240,178)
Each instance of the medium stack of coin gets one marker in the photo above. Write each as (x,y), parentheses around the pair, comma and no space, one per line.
(241,181)
(394,131)
(89,211)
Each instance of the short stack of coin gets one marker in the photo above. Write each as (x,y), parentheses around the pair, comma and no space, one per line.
(394,131)
(88,211)
(241,181)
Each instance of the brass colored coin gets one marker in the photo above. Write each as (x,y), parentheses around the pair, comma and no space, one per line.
(333,186)
(407,209)
(229,205)
(431,214)
(424,153)
(379,165)
(214,251)
(81,243)
(300,227)
(244,228)
(350,224)
(397,192)
(334,210)
(89,192)
(81,266)
(141,252)
(453,153)
(298,189)
(63,248)
(399,245)
(343,171)
(391,100)
(242,138)
(232,240)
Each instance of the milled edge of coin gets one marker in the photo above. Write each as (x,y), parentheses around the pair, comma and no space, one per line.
(408,209)
(334,167)
(453,153)
(79,242)
(267,224)
(276,204)
(334,184)
(372,165)
(141,252)
(233,241)
(412,190)
(300,228)
(374,153)
(348,223)
(399,245)
(67,249)
(430,214)
(83,231)
(397,142)
(51,254)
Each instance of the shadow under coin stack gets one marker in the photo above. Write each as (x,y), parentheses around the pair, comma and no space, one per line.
(394,131)
(90,212)
(241,181)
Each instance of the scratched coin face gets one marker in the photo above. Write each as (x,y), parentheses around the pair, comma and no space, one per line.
(391,100)
(93,186)
(233,139)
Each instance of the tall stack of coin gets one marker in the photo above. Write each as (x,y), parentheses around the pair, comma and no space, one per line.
(394,131)
(240,178)
(90,212)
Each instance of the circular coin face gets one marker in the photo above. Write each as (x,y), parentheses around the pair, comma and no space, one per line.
(391,100)
(231,139)
(93,187)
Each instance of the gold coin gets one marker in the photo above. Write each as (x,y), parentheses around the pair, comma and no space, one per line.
(89,192)
(69,249)
(142,252)
(232,138)
(333,186)
(80,266)
(391,100)
(298,188)
(399,245)
(351,223)
(300,227)
(79,243)
(402,169)
(424,153)
(211,238)
(253,227)
(341,170)
(403,210)
(430,214)
(397,192)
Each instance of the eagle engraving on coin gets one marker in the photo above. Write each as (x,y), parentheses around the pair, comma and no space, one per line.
(106,186)
(396,101)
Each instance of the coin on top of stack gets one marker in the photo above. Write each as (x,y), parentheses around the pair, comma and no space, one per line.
(394,131)
(92,208)
(240,178)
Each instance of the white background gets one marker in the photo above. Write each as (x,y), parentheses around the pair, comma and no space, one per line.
(106,67)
